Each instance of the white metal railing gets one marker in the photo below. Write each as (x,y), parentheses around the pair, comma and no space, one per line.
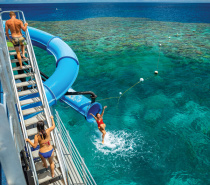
(73,152)
(64,164)
(9,69)
(43,98)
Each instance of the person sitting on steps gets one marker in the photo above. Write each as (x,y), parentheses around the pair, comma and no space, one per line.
(15,26)
(101,124)
(46,149)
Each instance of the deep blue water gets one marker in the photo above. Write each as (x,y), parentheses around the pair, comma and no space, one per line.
(174,12)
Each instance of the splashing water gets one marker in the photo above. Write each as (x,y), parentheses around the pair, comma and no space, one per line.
(114,142)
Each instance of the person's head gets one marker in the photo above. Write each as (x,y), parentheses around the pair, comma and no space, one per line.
(98,115)
(11,14)
(41,130)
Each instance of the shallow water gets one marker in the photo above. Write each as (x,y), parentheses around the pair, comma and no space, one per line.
(158,131)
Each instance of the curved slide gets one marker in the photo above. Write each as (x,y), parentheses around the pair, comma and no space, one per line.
(67,67)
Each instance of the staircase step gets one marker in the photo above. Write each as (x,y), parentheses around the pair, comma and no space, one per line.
(32,131)
(35,119)
(13,49)
(39,166)
(27,83)
(27,92)
(61,182)
(32,110)
(14,53)
(29,101)
(16,60)
(24,67)
(35,154)
(46,178)
(24,75)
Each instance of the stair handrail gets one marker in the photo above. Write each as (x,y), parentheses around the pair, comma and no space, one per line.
(9,66)
(74,153)
(62,156)
(43,97)
(42,93)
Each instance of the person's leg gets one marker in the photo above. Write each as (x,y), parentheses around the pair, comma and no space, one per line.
(43,160)
(50,159)
(102,129)
(23,50)
(103,135)
(18,56)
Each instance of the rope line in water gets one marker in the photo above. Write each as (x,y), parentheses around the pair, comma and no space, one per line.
(107,98)
(137,82)
(126,90)
(130,88)
(118,97)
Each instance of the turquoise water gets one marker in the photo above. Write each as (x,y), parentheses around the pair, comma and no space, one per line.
(158,131)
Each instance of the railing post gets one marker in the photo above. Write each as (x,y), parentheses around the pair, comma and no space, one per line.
(11,126)
(60,153)
(78,161)
(70,145)
(83,170)
(4,101)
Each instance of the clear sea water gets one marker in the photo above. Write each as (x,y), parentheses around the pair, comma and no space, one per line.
(158,131)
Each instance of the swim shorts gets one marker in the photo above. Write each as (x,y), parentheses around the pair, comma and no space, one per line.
(17,41)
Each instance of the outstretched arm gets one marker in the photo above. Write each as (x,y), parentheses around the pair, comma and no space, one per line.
(34,145)
(53,124)
(24,28)
(103,111)
(7,32)
(93,116)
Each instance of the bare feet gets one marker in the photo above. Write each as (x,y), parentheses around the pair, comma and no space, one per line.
(25,58)
(53,175)
(103,142)
(21,67)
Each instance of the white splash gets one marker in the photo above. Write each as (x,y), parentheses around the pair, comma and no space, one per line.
(115,142)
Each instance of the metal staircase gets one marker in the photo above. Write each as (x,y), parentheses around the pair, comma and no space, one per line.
(32,109)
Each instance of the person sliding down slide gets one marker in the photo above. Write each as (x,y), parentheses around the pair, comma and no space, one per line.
(101,124)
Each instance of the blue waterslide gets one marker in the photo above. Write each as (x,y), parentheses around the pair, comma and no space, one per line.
(67,68)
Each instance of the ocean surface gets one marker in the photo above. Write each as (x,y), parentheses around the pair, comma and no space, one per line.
(158,131)
(175,12)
